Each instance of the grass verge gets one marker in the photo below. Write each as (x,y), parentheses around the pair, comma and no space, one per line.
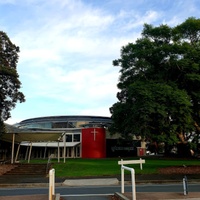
(78,167)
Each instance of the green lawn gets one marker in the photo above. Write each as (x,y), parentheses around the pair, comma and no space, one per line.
(108,167)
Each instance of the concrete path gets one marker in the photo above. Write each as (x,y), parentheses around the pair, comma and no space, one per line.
(85,182)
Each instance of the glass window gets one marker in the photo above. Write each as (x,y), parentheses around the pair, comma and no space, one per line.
(59,125)
(68,138)
(44,125)
(77,137)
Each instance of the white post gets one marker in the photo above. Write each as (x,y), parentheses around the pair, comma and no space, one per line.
(122,179)
(64,147)
(58,152)
(29,155)
(141,163)
(16,157)
(51,184)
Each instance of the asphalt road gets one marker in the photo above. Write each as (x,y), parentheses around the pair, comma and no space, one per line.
(102,192)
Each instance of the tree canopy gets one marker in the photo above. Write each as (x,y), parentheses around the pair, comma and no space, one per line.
(9,78)
(159,84)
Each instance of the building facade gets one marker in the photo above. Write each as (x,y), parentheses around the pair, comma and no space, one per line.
(71,136)
(75,136)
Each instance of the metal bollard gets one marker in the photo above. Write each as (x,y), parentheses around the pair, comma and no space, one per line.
(185,185)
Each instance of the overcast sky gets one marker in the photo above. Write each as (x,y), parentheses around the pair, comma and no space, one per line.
(67,48)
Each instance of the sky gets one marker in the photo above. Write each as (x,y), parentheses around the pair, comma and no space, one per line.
(67,48)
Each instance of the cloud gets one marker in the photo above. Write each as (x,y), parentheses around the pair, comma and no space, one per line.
(67,48)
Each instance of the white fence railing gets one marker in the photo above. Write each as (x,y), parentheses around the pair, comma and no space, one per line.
(126,162)
(132,180)
(122,162)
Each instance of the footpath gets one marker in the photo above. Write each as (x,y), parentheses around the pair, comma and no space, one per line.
(26,181)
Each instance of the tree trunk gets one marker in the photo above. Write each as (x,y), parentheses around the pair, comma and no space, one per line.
(181,136)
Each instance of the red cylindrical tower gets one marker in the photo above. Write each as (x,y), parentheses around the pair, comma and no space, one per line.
(93,143)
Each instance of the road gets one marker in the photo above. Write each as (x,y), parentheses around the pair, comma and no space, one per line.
(88,192)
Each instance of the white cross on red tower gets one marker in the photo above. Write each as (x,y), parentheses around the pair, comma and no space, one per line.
(94,132)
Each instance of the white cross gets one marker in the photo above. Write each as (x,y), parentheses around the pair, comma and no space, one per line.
(94,133)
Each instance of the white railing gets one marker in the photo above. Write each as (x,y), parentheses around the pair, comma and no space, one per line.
(132,180)
(125,162)
(49,163)
(122,162)
(51,184)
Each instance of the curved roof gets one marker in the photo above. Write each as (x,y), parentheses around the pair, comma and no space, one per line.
(82,121)
(25,133)
(68,118)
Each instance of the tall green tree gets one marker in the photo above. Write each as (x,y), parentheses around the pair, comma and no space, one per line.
(9,78)
(159,84)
